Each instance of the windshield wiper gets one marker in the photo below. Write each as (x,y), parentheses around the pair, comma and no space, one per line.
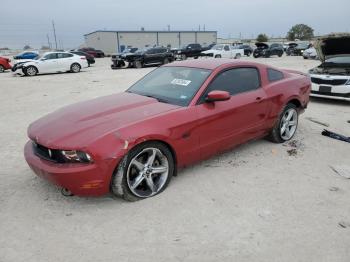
(157,98)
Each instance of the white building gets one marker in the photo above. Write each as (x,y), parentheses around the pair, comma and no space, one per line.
(113,41)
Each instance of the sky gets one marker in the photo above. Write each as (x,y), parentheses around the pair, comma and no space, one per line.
(23,23)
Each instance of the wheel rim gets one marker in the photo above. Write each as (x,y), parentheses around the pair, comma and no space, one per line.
(288,124)
(147,172)
(2,69)
(75,68)
(31,71)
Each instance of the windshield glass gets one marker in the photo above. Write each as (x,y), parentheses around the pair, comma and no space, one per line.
(217,47)
(338,60)
(303,45)
(173,85)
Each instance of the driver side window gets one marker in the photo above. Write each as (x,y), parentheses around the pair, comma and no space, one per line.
(236,81)
(50,56)
(226,48)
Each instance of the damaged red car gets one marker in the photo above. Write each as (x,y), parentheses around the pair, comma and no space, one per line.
(132,143)
(4,64)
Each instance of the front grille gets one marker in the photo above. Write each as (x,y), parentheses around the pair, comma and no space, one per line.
(347,95)
(43,152)
(333,82)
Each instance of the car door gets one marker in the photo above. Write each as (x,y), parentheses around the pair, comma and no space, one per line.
(64,62)
(149,56)
(225,124)
(227,52)
(48,63)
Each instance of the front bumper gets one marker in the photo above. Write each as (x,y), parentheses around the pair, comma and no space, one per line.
(339,92)
(81,179)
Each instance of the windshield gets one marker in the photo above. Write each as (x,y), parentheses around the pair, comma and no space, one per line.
(340,60)
(173,85)
(217,47)
(303,45)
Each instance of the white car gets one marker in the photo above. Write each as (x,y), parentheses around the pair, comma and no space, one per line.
(331,79)
(224,51)
(51,62)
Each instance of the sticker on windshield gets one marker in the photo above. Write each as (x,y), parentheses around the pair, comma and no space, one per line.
(181,82)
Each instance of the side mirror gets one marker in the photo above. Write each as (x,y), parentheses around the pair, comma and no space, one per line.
(217,95)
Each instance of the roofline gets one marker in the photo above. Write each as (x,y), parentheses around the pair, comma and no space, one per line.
(152,31)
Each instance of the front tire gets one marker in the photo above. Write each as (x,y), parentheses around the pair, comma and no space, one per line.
(2,69)
(183,57)
(286,126)
(138,64)
(237,56)
(217,56)
(75,68)
(144,172)
(30,71)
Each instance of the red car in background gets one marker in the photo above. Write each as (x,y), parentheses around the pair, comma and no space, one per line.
(92,51)
(4,64)
(132,143)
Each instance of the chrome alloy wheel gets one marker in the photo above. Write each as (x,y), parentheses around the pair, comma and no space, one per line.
(75,68)
(289,124)
(31,71)
(147,172)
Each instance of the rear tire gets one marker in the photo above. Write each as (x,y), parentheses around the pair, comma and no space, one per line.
(238,56)
(280,54)
(75,68)
(2,69)
(30,71)
(279,132)
(132,180)
(217,56)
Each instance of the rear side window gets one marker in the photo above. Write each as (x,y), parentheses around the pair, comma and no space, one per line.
(274,75)
(51,56)
(237,80)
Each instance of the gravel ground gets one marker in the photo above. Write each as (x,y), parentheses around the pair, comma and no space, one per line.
(259,202)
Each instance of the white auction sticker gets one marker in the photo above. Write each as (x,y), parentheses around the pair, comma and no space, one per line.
(181,82)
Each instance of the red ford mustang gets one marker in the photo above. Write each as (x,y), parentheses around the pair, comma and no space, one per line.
(132,143)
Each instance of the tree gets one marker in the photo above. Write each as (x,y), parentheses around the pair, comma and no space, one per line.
(262,38)
(301,32)
(26,47)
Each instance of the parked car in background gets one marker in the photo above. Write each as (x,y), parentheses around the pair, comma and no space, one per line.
(26,55)
(146,57)
(119,60)
(248,50)
(190,50)
(93,52)
(297,49)
(89,58)
(52,62)
(133,142)
(266,50)
(4,64)
(224,51)
(310,53)
(331,79)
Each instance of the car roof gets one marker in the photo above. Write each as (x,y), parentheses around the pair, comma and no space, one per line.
(212,63)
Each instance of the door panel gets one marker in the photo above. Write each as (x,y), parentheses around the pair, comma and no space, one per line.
(229,123)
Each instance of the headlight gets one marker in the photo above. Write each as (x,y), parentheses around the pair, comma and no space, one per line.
(73,156)
(348,82)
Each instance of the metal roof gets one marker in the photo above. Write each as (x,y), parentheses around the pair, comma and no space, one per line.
(154,31)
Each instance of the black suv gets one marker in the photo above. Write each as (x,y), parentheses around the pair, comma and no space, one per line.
(190,50)
(151,56)
(265,50)
(297,49)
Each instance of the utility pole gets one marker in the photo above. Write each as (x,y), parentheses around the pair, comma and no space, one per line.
(48,41)
(199,28)
(168,27)
(54,33)
(204,27)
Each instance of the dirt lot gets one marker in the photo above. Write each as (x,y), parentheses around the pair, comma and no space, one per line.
(256,203)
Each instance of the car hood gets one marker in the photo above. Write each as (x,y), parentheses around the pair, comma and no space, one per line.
(262,45)
(80,124)
(333,45)
(210,51)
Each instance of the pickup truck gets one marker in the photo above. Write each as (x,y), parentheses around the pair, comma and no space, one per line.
(224,51)
(190,50)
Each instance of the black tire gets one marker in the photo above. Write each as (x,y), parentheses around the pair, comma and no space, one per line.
(238,56)
(249,53)
(75,68)
(119,183)
(165,61)
(196,57)
(275,134)
(255,55)
(280,54)
(138,64)
(2,69)
(217,56)
(30,71)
